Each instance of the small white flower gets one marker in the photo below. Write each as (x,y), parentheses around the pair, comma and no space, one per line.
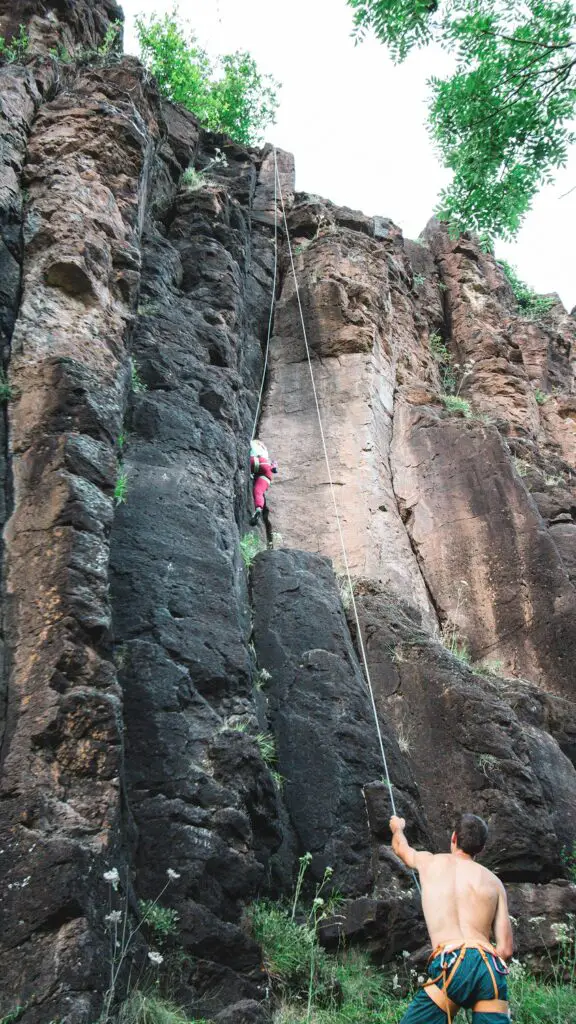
(537,920)
(265,675)
(112,877)
(318,902)
(172,875)
(420,979)
(155,958)
(561,931)
(405,954)
(395,982)
(114,917)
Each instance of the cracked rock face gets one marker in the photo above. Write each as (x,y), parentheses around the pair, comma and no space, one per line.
(161,706)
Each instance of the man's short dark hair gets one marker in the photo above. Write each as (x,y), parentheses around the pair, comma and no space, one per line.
(471,834)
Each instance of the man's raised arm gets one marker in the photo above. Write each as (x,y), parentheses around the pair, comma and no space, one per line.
(411,858)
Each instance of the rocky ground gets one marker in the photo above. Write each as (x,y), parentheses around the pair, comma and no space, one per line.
(149,682)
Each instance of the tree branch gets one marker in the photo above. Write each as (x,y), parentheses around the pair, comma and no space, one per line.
(527,42)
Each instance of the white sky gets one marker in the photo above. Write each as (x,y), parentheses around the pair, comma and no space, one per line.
(356,122)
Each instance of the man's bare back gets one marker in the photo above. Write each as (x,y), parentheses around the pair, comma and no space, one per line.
(462,901)
(464,904)
(459,898)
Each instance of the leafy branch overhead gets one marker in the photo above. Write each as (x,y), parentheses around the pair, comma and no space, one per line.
(501,121)
(227,95)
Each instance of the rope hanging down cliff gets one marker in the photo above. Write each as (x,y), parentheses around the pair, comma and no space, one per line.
(278,190)
(272,302)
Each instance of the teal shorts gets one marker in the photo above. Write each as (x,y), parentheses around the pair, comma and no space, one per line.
(471,982)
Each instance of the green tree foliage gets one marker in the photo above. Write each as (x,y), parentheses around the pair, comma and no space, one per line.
(501,120)
(227,95)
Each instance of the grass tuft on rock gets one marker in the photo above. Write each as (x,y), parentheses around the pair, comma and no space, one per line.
(250,546)
(455,404)
(141,1008)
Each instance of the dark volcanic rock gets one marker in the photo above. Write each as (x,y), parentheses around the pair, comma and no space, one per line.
(320,712)
(202,799)
(470,749)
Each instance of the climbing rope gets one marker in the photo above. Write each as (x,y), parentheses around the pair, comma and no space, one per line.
(335,503)
(367,675)
(278,194)
(272,302)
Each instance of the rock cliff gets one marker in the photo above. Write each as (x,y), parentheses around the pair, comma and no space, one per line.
(142,664)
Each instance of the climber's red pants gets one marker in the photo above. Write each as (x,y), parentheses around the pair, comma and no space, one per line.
(261,485)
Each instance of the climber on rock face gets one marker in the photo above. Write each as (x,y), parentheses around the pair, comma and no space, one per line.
(463,904)
(262,470)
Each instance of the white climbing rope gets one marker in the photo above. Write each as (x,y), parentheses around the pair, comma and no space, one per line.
(335,503)
(272,301)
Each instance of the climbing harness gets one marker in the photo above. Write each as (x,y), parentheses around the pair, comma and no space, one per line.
(451,958)
(278,191)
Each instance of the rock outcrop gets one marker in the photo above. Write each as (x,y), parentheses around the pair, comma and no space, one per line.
(162,706)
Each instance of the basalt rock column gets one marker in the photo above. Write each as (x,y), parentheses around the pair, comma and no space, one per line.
(203,800)
(61,756)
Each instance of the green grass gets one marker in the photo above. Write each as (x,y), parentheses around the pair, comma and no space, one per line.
(136,382)
(439,350)
(288,948)
(347,988)
(261,678)
(538,1002)
(250,546)
(163,921)
(454,403)
(520,465)
(267,747)
(140,1008)
(193,180)
(121,488)
(11,53)
(13,1016)
(6,394)
(487,763)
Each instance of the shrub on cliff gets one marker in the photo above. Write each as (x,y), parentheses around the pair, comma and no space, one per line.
(530,303)
(228,95)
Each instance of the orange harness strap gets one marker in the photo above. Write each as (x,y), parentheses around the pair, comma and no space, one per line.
(440,995)
(491,1006)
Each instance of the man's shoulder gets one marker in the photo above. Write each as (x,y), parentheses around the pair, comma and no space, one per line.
(432,860)
(490,878)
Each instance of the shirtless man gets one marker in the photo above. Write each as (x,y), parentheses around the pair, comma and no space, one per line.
(463,904)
